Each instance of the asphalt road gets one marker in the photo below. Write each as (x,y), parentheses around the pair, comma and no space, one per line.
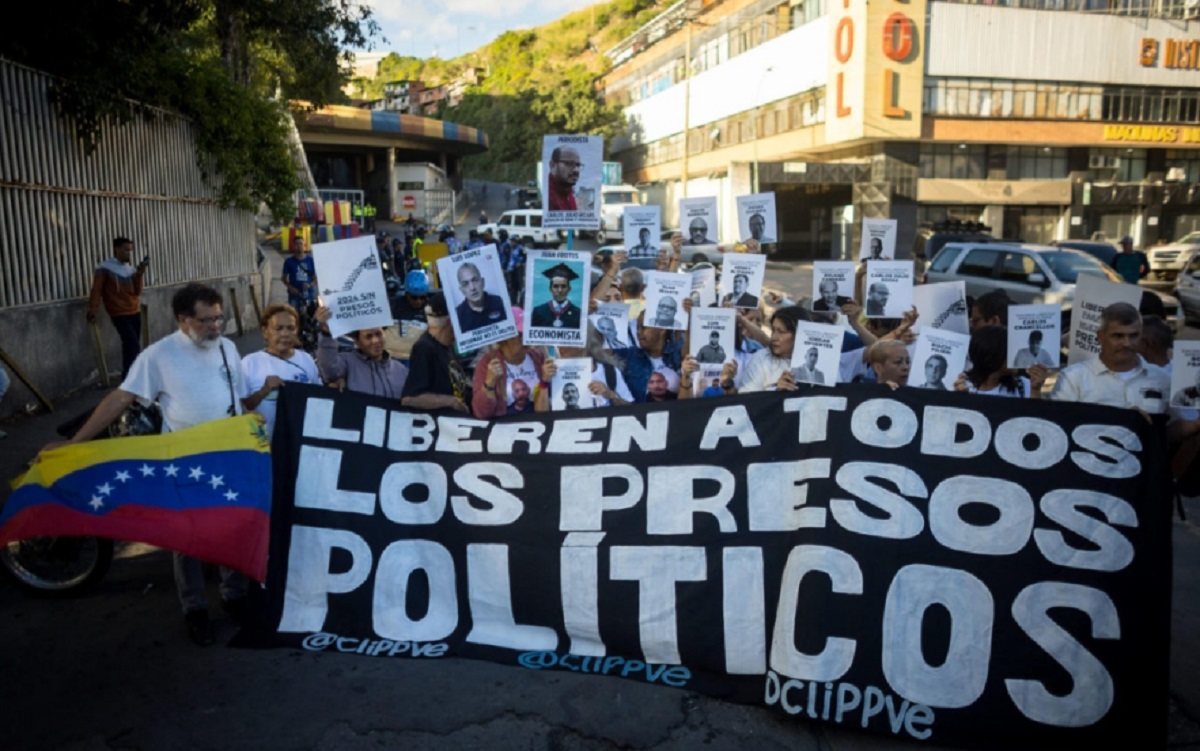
(114,670)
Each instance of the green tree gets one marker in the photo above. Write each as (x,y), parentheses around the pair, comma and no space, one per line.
(229,66)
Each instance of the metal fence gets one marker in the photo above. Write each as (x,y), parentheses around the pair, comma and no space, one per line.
(60,208)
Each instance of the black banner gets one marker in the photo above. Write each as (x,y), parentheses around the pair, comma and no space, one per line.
(962,570)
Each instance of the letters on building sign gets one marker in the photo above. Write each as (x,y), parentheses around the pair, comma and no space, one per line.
(1151,134)
(899,33)
(1177,54)
(844,50)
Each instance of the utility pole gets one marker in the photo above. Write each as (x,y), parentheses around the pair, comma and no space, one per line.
(687,100)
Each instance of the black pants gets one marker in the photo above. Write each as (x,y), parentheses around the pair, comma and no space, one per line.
(129,328)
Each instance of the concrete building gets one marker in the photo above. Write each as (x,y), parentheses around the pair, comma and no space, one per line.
(1054,119)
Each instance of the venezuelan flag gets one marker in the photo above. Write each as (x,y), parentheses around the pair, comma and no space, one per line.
(204,491)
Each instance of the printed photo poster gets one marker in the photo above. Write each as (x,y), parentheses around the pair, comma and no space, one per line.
(942,306)
(707,381)
(1185,376)
(698,221)
(742,279)
(556,286)
(611,319)
(569,387)
(1093,293)
(643,228)
(817,355)
(704,287)
(889,288)
(711,339)
(878,240)
(665,293)
(571,188)
(1034,336)
(756,218)
(832,285)
(351,279)
(938,359)
(477,298)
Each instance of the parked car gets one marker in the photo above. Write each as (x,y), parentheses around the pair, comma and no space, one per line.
(1169,262)
(1028,273)
(1188,291)
(526,225)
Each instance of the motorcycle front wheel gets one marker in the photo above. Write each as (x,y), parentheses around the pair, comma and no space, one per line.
(56,566)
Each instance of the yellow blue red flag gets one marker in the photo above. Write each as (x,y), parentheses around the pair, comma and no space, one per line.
(204,492)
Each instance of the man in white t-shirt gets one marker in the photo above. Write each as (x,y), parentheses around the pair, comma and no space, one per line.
(196,376)
(1117,376)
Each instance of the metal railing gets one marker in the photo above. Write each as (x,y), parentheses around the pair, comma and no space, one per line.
(60,208)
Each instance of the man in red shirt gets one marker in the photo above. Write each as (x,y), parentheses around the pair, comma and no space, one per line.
(564,173)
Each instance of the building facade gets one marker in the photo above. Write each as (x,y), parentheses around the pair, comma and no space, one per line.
(1044,119)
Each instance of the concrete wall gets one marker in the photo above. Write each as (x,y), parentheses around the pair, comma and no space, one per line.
(56,351)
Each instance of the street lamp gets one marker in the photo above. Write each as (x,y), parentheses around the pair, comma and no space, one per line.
(757,107)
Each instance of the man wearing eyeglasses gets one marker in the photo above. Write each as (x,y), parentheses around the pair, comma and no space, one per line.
(564,173)
(196,376)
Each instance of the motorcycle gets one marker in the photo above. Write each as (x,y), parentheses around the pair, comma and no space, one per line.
(70,566)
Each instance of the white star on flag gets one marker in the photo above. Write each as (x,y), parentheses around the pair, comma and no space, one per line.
(123,476)
(105,489)
(147,470)
(231,495)
(216,481)
(97,502)
(196,473)
(171,470)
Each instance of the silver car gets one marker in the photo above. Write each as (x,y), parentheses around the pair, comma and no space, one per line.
(1028,273)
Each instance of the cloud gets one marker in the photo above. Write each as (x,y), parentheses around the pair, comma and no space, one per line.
(456,27)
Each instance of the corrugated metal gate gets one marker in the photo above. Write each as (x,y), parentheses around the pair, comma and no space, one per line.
(60,208)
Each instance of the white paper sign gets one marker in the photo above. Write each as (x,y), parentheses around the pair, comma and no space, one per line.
(556,290)
(889,288)
(569,387)
(833,285)
(1092,295)
(756,218)
(611,319)
(878,239)
(571,189)
(704,287)
(742,279)
(1185,375)
(711,339)
(352,287)
(939,358)
(698,221)
(817,354)
(665,293)
(942,306)
(477,298)
(643,228)
(1034,335)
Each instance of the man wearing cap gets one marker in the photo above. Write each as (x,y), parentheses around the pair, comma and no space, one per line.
(565,166)
(559,312)
(1131,265)
(411,305)
(712,353)
(479,308)
(436,379)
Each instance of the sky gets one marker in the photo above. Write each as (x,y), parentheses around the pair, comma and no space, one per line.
(448,28)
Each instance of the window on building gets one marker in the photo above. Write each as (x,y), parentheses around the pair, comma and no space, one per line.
(1130,164)
(806,11)
(954,161)
(1036,163)
(1187,163)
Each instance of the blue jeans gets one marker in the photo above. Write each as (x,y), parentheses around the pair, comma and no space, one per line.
(129,328)
(189,581)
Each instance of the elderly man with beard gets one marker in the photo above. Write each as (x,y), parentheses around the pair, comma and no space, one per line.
(196,376)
